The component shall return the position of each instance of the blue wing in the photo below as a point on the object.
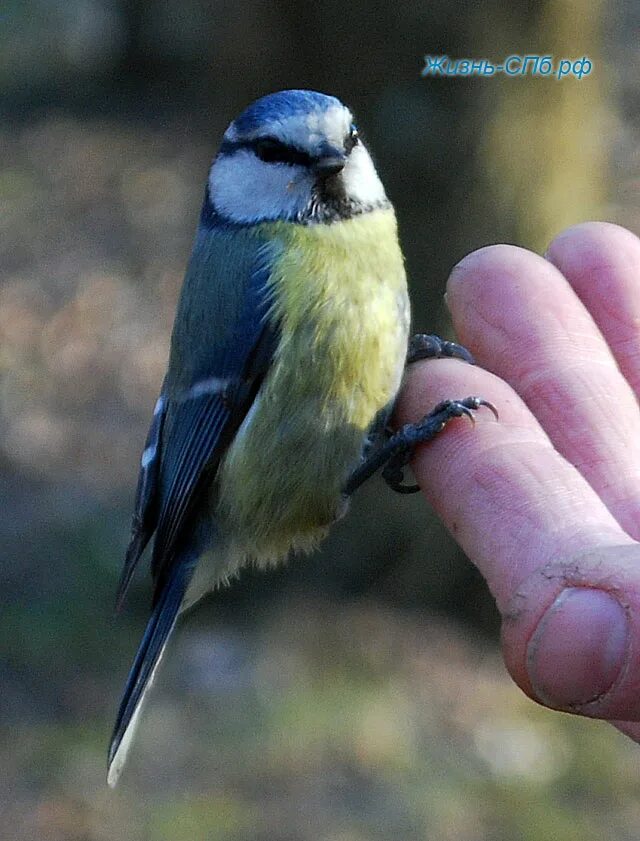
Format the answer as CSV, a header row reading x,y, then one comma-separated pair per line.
x,y
198,430
191,428
205,397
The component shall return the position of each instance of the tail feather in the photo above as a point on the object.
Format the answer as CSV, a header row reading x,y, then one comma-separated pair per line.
x,y
157,632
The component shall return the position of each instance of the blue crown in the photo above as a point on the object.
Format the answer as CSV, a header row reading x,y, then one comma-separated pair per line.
x,y
283,104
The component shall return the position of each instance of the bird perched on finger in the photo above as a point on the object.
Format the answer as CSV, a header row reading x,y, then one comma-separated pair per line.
x,y
287,353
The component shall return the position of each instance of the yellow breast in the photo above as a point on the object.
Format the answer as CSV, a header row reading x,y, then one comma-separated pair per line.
x,y
340,299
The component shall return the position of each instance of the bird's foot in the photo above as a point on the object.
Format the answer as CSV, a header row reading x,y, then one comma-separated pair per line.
x,y
394,455
428,346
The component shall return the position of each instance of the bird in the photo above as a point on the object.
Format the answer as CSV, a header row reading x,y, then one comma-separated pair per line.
x,y
288,350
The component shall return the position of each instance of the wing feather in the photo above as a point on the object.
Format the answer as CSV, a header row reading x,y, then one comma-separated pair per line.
x,y
144,516
200,425
197,427
191,429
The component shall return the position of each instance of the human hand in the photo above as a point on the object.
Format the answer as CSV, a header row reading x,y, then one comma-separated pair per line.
x,y
546,502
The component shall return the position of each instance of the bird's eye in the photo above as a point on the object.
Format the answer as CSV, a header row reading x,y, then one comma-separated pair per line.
x,y
351,140
270,150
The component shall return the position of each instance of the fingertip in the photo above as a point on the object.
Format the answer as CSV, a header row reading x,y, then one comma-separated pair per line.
x,y
589,245
601,263
570,635
487,289
487,262
578,649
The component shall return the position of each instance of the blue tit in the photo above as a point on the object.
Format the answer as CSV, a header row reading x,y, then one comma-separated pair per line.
x,y
287,353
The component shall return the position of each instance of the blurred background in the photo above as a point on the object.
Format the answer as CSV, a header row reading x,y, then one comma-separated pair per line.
x,y
358,694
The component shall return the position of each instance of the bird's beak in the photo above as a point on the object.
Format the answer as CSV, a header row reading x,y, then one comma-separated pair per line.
x,y
330,162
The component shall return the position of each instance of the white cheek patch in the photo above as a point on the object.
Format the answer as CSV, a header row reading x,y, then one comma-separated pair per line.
x,y
360,178
245,189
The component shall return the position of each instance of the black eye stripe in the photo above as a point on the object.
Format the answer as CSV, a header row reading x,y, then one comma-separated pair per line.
x,y
269,150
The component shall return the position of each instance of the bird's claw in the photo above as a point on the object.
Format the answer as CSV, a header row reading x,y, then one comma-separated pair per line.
x,y
430,346
410,435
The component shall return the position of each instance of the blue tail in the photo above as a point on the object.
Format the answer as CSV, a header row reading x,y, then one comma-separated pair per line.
x,y
157,632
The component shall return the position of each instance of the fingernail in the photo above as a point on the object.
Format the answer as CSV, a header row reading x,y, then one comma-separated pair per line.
x,y
578,649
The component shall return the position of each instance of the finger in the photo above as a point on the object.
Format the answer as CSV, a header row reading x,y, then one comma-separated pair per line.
x,y
602,264
520,316
530,522
500,485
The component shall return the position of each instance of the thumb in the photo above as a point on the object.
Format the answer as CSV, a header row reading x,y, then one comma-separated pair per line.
x,y
571,634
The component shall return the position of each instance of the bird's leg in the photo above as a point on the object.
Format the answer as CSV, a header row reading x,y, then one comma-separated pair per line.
x,y
395,453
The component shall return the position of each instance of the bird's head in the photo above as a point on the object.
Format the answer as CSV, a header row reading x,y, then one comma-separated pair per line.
x,y
294,155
